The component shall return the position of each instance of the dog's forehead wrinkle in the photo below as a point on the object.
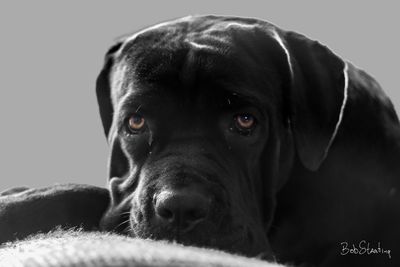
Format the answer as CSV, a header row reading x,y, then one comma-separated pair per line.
x,y
187,75
181,27
198,47
201,46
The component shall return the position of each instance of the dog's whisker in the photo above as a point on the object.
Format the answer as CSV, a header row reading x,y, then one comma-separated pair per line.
x,y
124,213
120,224
128,229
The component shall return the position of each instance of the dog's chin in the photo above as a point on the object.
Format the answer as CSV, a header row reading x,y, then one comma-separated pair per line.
x,y
239,240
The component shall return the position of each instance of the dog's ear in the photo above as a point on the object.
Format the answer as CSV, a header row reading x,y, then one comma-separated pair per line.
x,y
317,97
118,162
103,89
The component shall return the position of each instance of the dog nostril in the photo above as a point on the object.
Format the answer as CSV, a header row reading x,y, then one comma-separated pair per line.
x,y
165,213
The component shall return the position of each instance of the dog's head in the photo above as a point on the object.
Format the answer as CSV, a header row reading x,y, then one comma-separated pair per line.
x,y
204,116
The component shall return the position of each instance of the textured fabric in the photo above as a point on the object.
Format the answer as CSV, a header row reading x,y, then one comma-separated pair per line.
x,y
75,248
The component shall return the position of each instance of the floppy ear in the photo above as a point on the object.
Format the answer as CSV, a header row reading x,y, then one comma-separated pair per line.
x,y
317,97
103,89
118,162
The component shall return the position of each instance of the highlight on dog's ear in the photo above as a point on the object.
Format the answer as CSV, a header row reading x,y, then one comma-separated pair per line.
x,y
103,89
318,95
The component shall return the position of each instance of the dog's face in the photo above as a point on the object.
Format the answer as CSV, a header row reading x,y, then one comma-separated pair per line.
x,y
196,115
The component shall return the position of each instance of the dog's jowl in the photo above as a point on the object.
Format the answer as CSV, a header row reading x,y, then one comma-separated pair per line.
x,y
231,133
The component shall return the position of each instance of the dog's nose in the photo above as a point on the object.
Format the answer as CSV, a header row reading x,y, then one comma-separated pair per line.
x,y
182,208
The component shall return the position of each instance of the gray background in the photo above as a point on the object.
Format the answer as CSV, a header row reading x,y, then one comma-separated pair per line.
x,y
51,52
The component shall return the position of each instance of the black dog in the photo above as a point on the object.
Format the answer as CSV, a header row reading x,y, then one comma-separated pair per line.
x,y
233,134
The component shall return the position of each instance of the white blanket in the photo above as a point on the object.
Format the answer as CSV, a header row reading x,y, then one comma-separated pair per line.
x,y
75,248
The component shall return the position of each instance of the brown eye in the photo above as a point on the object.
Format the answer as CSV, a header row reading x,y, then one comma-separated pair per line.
x,y
245,121
136,122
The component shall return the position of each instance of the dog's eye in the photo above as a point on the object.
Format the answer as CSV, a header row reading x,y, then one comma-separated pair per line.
x,y
136,123
245,122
